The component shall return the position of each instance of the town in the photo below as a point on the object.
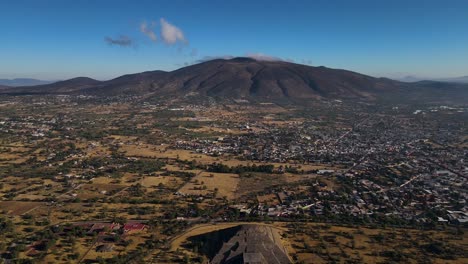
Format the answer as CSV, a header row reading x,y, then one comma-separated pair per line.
x,y
120,176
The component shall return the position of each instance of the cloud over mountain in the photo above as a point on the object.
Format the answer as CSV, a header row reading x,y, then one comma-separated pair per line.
x,y
263,57
256,56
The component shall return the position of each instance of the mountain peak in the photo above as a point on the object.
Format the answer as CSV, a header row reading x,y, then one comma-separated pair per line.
x,y
243,59
244,77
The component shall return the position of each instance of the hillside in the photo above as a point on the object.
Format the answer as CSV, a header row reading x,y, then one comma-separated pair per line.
x,y
249,78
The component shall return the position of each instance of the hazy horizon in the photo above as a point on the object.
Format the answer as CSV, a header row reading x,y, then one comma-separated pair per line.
x,y
395,76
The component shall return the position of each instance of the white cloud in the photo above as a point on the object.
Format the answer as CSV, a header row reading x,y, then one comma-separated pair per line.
x,y
255,56
209,58
171,34
263,57
147,29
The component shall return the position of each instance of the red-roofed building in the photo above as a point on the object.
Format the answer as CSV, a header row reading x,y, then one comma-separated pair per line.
x,y
134,227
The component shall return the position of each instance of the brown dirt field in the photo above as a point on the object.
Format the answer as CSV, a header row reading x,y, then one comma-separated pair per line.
x,y
129,179
12,158
291,178
154,181
17,207
102,180
270,199
226,183
102,187
31,197
171,167
259,182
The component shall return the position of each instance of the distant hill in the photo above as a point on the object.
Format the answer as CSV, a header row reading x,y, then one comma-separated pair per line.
x,y
22,82
462,79
252,79
409,78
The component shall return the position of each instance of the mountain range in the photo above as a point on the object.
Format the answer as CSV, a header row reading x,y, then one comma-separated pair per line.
x,y
462,79
409,78
248,78
22,82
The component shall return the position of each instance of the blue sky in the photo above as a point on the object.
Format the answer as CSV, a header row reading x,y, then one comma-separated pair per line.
x,y
104,39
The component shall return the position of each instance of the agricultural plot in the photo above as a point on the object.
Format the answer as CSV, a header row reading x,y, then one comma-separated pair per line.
x,y
17,208
220,184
